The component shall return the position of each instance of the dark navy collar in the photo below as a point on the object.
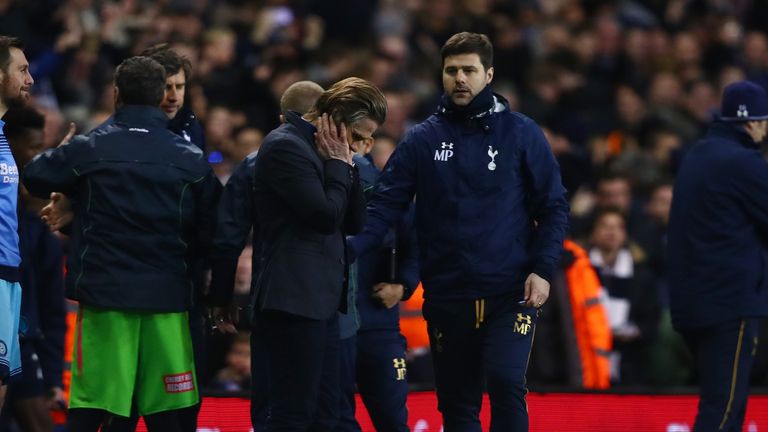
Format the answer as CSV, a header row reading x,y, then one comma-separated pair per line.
x,y
141,115
306,129
481,105
733,131
184,117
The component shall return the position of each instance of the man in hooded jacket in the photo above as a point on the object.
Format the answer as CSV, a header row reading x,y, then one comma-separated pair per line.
x,y
491,216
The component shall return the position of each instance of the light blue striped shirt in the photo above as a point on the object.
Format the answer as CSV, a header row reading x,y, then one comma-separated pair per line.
x,y
9,192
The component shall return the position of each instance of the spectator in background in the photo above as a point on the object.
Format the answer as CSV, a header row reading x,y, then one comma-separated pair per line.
x,y
716,254
631,298
145,189
247,141
15,84
42,282
236,376
383,147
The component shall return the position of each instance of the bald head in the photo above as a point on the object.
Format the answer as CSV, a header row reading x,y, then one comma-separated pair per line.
x,y
300,97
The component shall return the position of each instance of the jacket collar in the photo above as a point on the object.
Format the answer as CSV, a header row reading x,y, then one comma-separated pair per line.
x,y
483,105
141,115
306,129
732,131
182,120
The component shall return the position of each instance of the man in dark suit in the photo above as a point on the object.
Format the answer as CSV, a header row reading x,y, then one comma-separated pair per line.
x,y
236,217
308,196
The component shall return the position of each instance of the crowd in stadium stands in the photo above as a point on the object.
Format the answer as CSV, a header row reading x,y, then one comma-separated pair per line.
x,y
621,88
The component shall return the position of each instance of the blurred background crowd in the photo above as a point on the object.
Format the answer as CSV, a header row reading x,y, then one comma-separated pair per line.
x,y
621,88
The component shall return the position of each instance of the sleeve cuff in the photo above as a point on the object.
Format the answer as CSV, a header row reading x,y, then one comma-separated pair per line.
x,y
544,271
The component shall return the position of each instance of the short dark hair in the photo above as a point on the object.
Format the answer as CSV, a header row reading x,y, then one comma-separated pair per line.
x,y
603,212
469,43
6,43
172,61
140,81
351,100
19,120
300,97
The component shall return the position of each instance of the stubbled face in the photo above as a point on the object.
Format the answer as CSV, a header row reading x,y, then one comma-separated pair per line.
x,y
464,77
173,99
360,135
16,82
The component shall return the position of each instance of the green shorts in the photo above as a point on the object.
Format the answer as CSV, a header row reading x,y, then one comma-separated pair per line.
x,y
123,356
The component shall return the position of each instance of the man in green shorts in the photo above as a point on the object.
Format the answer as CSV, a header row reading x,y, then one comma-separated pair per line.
x,y
143,200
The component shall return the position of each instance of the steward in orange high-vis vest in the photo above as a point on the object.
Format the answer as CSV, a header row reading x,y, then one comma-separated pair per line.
x,y
590,321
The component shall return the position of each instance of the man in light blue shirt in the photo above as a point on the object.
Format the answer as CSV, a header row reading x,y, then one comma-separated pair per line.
x,y
15,83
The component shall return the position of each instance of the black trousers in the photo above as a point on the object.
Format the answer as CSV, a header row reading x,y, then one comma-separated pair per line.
x,y
259,381
473,341
303,364
724,355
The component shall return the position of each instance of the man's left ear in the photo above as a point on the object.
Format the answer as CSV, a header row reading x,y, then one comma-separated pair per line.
x,y
489,74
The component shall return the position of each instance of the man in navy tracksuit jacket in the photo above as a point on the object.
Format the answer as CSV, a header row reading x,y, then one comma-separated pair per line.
x,y
133,172
491,215
183,122
718,254
374,357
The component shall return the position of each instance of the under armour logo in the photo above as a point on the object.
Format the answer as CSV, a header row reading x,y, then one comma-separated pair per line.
x,y
400,369
523,324
445,152
742,111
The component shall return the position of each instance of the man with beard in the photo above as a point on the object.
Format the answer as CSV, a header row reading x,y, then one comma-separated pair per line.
x,y
491,215
15,82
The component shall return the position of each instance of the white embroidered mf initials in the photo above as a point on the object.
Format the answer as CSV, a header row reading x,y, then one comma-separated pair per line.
x,y
742,112
492,153
445,151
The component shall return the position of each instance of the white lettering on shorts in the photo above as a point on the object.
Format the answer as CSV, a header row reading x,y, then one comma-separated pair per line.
x,y
179,383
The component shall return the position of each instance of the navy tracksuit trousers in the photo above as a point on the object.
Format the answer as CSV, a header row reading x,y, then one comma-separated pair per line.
x,y
473,341
724,355
375,360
